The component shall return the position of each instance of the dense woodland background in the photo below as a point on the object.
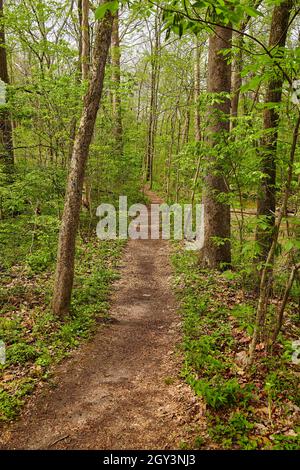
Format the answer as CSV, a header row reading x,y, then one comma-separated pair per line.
x,y
200,102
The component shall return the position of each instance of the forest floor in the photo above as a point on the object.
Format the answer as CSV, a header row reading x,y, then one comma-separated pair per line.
x,y
121,390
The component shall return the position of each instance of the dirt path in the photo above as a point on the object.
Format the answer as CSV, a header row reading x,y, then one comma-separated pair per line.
x,y
113,393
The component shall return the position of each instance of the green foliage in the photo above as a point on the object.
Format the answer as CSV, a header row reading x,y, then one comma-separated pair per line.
x,y
101,10
282,442
9,406
45,102
216,327
219,393
232,432
12,400
245,314
283,384
20,353
51,340
198,443
11,328
193,16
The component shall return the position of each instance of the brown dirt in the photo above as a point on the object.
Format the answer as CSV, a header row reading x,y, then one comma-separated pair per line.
x,y
115,391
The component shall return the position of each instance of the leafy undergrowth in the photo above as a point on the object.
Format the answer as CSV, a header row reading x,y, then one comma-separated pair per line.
x,y
245,409
35,339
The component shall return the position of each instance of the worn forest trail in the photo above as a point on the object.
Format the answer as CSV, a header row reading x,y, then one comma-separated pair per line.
x,y
112,393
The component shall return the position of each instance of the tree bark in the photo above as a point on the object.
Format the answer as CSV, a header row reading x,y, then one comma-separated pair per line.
x,y
6,133
85,39
216,252
197,76
79,10
171,149
85,73
78,78
70,219
266,203
197,90
237,77
116,79
152,125
186,126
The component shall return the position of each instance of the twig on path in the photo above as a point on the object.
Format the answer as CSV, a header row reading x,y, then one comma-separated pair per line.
x,y
59,440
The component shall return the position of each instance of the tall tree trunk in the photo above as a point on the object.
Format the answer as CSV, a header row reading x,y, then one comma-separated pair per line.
x,y
237,77
6,135
116,79
216,252
70,219
152,125
266,204
171,149
197,76
85,72
238,40
186,126
78,77
197,90
79,10
85,39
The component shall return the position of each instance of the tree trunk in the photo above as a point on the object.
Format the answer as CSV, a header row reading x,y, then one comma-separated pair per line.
x,y
116,79
70,219
152,125
78,78
238,40
197,76
266,203
85,39
197,90
216,252
186,127
6,135
79,10
237,77
85,73
171,149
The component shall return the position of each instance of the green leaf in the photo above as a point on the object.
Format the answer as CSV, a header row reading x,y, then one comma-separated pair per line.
x,y
252,11
105,7
291,245
297,168
199,4
252,84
